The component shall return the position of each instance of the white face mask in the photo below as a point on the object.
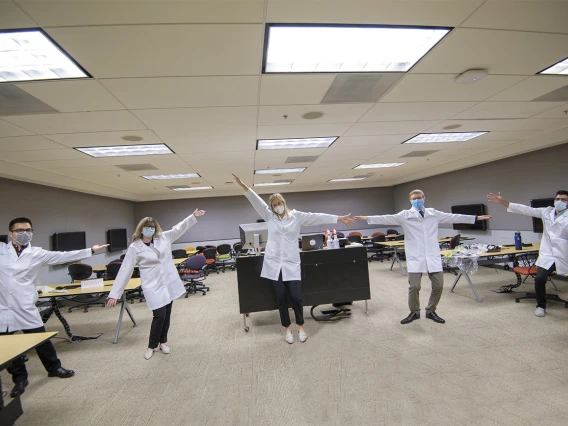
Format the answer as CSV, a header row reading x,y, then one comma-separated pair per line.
x,y
148,232
279,209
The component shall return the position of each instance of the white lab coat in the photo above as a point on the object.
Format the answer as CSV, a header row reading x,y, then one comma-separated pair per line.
x,y
159,276
421,235
17,283
282,252
554,243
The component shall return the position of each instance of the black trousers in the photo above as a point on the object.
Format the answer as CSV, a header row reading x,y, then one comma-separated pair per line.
x,y
160,326
45,351
293,289
540,284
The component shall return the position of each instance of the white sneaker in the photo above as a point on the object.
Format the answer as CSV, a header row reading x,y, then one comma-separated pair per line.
x,y
303,336
148,354
165,348
289,338
540,312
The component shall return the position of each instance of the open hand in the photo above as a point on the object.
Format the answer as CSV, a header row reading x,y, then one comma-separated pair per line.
x,y
98,247
111,302
240,182
484,217
346,219
198,213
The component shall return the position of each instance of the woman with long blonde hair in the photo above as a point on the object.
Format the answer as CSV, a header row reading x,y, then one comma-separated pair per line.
x,y
151,250
281,262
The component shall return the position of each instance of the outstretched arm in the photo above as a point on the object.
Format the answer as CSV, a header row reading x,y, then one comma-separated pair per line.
x,y
515,208
121,280
258,203
310,219
182,227
387,219
497,199
57,257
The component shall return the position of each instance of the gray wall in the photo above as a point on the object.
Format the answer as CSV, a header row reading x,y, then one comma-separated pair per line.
x,y
538,174
221,222
56,210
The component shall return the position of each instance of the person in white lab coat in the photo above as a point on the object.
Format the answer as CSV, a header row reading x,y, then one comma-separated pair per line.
x,y
420,226
553,255
281,262
20,264
151,250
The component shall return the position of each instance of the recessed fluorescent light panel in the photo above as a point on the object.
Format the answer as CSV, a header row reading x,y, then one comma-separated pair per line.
x,y
345,179
378,166
180,176
279,171
294,143
560,68
126,150
31,55
444,137
292,48
193,188
272,183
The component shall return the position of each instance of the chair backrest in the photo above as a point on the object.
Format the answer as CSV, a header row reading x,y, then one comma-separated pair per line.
x,y
354,238
210,253
392,231
112,270
200,249
80,271
189,248
379,239
399,237
210,246
455,241
122,256
355,233
195,263
340,235
224,249
179,254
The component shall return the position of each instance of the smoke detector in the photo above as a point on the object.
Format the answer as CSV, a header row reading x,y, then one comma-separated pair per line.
x,y
312,115
470,76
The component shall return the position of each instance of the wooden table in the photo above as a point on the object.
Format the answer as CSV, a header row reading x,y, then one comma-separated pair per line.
x,y
507,253
12,347
133,284
396,246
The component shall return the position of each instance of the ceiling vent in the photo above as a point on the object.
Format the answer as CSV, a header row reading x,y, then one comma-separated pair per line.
x,y
558,95
355,88
15,101
419,154
302,159
136,167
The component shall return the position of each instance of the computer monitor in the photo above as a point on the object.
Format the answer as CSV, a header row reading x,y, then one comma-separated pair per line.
x,y
538,203
68,241
4,239
248,232
117,239
474,210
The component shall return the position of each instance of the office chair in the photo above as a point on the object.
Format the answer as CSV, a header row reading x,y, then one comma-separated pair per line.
x,y
378,252
193,274
355,233
179,254
376,234
189,249
392,232
237,249
340,235
199,249
122,257
455,241
529,269
225,256
79,272
210,259
354,238
399,237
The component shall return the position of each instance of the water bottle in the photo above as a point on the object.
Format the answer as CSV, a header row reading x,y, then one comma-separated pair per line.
x,y
518,241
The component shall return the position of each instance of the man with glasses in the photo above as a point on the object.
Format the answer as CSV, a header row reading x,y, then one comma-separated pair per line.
x,y
553,255
20,264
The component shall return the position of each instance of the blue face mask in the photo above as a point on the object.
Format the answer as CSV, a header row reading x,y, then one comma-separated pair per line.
x,y
560,206
148,232
417,204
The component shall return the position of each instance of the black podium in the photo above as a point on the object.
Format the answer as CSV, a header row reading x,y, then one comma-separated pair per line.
x,y
328,276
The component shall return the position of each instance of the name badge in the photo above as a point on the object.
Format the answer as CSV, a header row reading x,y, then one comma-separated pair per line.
x,y
97,282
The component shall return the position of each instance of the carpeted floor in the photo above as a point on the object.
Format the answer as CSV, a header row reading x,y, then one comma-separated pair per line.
x,y
492,363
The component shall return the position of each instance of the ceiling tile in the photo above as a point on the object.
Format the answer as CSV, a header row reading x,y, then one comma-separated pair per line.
x,y
66,13
441,88
356,141
560,112
7,130
306,131
163,50
12,17
515,125
503,110
407,111
297,89
104,138
530,88
27,143
390,128
55,165
73,96
510,52
292,114
178,92
99,121
42,155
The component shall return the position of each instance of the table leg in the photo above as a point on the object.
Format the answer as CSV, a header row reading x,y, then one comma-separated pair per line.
x,y
397,259
366,308
245,322
72,337
122,309
468,281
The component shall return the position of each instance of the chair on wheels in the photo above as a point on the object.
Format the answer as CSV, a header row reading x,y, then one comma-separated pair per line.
x,y
378,252
529,269
354,238
340,235
79,272
179,254
392,232
455,241
399,237
225,256
193,274
211,259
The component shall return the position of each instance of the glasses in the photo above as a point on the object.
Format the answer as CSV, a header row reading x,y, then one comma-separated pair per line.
x,y
19,231
561,199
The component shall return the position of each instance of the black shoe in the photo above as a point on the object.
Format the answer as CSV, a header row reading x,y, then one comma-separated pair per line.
x,y
19,388
436,318
413,316
61,372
